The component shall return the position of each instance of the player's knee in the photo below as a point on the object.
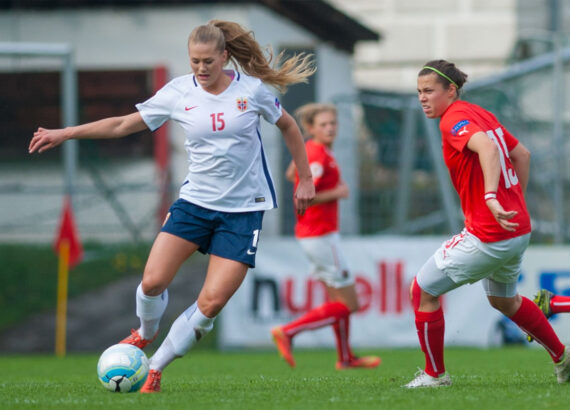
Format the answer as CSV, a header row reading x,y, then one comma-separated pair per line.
x,y
212,309
152,287
507,306
353,306
501,307
494,303
210,305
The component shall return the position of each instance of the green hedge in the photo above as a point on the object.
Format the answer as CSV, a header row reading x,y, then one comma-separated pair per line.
x,y
29,275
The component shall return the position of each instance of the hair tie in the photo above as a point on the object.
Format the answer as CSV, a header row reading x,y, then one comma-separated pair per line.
x,y
435,70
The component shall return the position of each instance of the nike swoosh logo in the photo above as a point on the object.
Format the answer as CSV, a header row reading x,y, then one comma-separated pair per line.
x,y
190,108
249,252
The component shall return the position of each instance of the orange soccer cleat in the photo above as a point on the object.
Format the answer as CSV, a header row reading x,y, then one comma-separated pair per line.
x,y
136,339
152,383
366,362
283,343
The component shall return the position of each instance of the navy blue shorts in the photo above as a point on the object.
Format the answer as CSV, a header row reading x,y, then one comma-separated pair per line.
x,y
226,234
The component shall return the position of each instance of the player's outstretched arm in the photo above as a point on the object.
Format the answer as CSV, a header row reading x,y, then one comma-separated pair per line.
x,y
113,127
305,192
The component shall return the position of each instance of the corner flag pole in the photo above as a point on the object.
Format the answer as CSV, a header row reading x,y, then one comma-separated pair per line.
x,y
69,251
62,283
68,246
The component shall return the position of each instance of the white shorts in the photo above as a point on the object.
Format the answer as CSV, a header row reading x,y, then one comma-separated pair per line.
x,y
465,259
327,260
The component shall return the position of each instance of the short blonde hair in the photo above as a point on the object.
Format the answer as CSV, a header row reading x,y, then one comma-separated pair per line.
x,y
306,114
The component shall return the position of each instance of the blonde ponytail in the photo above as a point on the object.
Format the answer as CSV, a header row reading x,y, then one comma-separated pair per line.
x,y
245,52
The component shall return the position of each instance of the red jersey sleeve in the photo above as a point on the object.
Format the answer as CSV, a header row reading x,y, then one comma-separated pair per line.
x,y
457,129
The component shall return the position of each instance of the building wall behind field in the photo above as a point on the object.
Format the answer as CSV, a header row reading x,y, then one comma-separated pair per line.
x,y
477,35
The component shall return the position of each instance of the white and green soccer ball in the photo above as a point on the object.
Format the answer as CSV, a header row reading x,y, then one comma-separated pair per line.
x,y
123,368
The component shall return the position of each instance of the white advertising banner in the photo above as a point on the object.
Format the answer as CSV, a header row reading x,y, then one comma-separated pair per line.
x,y
280,289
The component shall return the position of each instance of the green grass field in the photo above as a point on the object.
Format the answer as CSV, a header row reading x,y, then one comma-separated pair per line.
x,y
507,378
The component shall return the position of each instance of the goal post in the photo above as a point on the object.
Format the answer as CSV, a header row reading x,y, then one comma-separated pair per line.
x,y
68,86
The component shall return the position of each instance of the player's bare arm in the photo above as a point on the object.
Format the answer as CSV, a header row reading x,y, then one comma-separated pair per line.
x,y
340,191
113,127
520,158
294,140
491,167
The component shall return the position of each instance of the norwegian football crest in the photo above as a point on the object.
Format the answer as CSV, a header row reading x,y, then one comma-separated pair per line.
x,y
242,104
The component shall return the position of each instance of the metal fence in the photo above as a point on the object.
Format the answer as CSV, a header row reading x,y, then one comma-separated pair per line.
x,y
403,186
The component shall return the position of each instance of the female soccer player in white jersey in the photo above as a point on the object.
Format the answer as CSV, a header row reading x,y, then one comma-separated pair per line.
x,y
317,232
489,169
228,186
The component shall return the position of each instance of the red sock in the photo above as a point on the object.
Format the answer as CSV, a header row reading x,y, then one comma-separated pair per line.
x,y
326,314
431,330
530,319
560,304
341,331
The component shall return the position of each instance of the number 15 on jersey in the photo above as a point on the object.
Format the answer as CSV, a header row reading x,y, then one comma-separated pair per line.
x,y
218,123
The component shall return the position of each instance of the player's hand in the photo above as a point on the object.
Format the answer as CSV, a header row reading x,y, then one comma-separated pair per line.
x,y
304,195
501,216
45,139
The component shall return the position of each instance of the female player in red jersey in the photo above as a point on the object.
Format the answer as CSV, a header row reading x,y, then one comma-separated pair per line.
x,y
489,169
228,186
317,232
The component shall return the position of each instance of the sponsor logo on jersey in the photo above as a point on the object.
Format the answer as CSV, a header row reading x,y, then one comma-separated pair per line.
x,y
461,124
242,104
277,103
316,169
190,108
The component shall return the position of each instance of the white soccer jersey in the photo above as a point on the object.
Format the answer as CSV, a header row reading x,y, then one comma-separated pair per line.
x,y
228,170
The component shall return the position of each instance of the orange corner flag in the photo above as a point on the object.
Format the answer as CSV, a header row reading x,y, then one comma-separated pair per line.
x,y
67,232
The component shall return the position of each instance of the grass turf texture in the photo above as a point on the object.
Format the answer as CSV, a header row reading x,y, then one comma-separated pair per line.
x,y
505,378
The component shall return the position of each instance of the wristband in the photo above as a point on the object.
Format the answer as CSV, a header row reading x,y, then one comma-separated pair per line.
x,y
490,195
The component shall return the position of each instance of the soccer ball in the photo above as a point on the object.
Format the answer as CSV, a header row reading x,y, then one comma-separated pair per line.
x,y
123,368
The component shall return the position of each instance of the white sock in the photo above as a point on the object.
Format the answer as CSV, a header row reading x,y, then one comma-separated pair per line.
x,y
150,310
185,332
163,356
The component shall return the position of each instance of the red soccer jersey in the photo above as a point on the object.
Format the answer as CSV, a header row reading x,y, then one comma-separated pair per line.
x,y
459,122
322,218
